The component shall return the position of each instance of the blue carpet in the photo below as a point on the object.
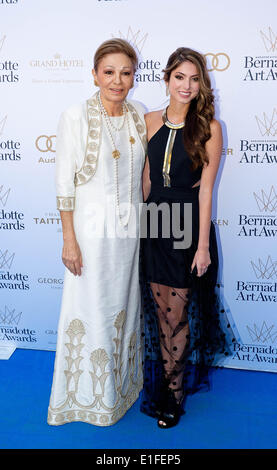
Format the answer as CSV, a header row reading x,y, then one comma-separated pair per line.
x,y
238,413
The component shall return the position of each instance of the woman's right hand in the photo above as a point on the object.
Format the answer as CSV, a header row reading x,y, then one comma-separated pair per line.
x,y
72,257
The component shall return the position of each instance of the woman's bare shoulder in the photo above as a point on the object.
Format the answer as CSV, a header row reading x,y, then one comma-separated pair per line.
x,y
215,126
153,122
153,116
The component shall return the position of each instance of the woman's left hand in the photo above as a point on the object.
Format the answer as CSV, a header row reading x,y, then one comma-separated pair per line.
x,y
201,260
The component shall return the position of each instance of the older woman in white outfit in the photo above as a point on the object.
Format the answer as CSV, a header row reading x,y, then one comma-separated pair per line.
x,y
99,161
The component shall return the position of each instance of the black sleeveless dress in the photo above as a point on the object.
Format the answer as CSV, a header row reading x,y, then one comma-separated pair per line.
x,y
184,327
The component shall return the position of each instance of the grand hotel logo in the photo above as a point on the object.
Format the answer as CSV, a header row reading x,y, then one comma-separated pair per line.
x,y
264,287
264,224
57,69
263,150
9,69
262,68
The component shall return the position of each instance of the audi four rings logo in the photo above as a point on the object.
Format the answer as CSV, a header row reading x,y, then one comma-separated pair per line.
x,y
45,143
219,62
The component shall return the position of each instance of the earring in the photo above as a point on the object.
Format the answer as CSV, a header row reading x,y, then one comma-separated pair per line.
x,y
96,82
166,90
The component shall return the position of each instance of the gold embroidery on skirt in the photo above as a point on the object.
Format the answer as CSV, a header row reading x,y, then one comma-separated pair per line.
x,y
99,374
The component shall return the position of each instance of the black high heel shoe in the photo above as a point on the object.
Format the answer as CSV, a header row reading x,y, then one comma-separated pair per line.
x,y
172,411
162,400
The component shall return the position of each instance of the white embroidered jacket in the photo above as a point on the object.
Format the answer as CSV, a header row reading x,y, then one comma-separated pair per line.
x,y
78,145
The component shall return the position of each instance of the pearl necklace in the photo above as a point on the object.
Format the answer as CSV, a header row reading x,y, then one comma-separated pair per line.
x,y
116,156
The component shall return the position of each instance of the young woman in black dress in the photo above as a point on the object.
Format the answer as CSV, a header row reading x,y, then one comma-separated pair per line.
x,y
183,330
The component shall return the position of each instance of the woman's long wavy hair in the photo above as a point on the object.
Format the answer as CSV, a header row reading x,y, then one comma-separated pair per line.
x,y
201,110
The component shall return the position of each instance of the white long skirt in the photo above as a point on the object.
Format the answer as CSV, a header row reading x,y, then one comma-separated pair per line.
x,y
98,364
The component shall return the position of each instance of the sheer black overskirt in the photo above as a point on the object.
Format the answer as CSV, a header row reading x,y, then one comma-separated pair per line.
x,y
200,335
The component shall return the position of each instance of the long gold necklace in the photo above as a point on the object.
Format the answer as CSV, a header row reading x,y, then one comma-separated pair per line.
x,y
169,147
116,156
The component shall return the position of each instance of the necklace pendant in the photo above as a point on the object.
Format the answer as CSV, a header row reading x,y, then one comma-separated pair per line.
x,y
132,139
116,154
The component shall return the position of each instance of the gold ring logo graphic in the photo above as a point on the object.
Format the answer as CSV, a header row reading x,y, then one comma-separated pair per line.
x,y
45,143
219,62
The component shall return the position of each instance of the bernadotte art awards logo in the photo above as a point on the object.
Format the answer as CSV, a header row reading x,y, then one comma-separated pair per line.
x,y
9,147
8,2
263,286
11,280
262,223
10,330
9,68
10,219
263,150
262,68
263,333
149,68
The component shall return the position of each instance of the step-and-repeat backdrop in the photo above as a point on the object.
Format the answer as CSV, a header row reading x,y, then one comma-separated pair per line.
x,y
46,53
